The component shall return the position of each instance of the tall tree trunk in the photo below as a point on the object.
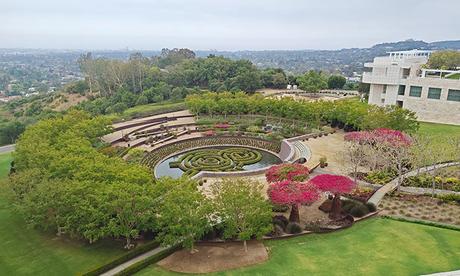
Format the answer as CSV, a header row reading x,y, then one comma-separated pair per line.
x,y
245,244
336,207
128,242
294,216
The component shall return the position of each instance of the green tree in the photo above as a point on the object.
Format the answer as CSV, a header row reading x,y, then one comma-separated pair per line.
x,y
10,131
336,82
183,212
449,59
244,212
312,81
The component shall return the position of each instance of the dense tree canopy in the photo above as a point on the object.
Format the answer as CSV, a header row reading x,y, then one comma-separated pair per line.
x,y
336,82
350,114
312,81
449,59
63,183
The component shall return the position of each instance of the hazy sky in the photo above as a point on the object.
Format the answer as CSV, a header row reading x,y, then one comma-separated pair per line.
x,y
223,24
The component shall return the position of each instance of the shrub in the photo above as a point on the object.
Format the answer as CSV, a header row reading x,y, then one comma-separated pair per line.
x,y
380,177
293,228
450,197
280,220
280,208
359,210
371,207
277,231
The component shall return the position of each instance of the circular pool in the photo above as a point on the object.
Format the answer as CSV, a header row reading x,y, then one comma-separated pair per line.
x,y
215,159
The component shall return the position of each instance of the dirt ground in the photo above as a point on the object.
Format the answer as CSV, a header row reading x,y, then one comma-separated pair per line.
x,y
216,257
421,207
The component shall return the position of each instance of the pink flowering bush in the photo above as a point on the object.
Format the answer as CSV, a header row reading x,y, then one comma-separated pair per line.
x,y
390,137
293,193
335,184
291,172
222,126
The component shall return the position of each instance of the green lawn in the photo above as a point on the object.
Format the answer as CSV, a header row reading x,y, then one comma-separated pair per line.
x,y
373,247
5,160
27,251
440,130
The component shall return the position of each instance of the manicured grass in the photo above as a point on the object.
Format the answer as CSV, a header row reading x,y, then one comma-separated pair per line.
x,y
26,251
373,247
5,160
439,130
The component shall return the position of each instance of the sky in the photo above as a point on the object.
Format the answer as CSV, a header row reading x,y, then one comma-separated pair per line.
x,y
223,24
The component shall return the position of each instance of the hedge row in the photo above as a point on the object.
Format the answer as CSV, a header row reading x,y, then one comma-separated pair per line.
x,y
146,262
124,258
424,222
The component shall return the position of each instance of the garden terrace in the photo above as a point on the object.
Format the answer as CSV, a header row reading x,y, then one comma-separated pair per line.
x,y
154,157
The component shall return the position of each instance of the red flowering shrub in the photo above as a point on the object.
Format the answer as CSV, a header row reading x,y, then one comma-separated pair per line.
x,y
291,172
222,126
209,133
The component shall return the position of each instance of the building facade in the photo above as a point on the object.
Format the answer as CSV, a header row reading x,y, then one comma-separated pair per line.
x,y
399,79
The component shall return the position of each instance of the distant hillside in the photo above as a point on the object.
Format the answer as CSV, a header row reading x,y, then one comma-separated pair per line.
x,y
345,61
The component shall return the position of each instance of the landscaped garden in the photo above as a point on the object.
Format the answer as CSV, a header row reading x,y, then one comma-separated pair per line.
x,y
372,247
226,159
68,183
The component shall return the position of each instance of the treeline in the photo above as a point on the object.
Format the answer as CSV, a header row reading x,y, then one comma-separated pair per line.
x,y
177,73
349,114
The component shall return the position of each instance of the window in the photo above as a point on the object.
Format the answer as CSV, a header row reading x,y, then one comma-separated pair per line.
x,y
384,89
400,103
453,95
434,93
415,91
401,90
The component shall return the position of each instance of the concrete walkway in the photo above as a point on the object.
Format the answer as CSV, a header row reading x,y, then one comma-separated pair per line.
x,y
135,260
392,185
449,273
7,148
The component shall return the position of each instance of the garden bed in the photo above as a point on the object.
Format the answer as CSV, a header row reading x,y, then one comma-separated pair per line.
x,y
420,207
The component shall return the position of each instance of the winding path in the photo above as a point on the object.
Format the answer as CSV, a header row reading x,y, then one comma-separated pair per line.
x,y
392,185
7,148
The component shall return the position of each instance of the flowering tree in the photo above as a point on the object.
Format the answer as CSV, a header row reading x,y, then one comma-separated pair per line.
x,y
335,184
287,192
292,172
388,148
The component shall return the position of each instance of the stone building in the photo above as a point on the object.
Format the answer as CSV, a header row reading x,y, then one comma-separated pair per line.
x,y
399,79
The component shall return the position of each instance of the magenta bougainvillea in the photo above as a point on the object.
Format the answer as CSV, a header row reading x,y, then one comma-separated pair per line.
x,y
336,184
222,126
291,192
292,172
391,137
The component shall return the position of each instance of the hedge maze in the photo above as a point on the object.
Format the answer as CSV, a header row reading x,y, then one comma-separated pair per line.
x,y
152,159
216,160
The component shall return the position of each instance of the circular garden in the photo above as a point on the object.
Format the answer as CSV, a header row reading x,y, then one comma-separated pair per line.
x,y
215,159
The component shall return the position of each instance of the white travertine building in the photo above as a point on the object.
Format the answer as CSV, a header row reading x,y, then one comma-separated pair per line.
x,y
399,79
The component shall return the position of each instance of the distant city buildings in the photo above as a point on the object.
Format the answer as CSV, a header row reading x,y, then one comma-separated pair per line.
x,y
400,79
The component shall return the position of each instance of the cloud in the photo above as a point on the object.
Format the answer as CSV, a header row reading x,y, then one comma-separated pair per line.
x,y
223,24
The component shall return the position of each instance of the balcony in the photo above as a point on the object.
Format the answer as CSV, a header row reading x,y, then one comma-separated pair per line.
x,y
369,77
